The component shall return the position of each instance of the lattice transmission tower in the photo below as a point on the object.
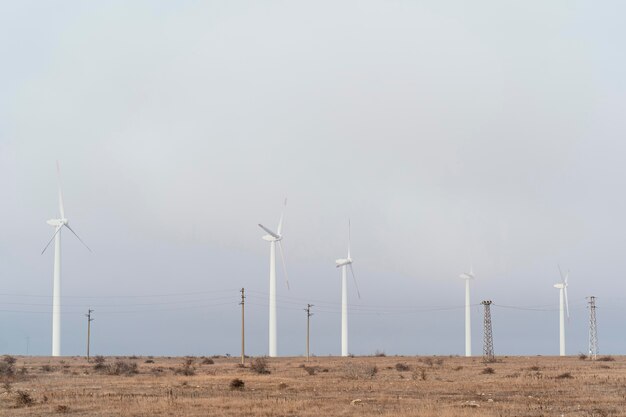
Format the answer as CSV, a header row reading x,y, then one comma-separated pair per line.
x,y
488,355
593,330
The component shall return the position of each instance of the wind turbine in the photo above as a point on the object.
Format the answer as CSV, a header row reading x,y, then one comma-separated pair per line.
x,y
562,287
274,238
467,276
344,264
58,224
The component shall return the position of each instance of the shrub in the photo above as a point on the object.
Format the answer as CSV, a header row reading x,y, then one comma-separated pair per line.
x,y
380,353
401,367
149,361
62,409
355,371
207,361
565,375
9,359
282,386
310,369
23,399
47,368
259,365
99,363
607,358
582,356
186,369
237,384
122,368
488,371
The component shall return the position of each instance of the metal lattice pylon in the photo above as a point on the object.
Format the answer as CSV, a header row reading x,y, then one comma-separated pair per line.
x,y
488,355
593,330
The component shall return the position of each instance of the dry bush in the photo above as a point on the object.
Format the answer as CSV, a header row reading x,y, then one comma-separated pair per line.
x,y
62,409
565,375
207,361
259,365
99,363
582,356
310,369
237,384
186,369
534,368
23,399
457,368
282,386
607,358
149,361
47,368
7,366
380,353
488,371
402,367
359,371
122,368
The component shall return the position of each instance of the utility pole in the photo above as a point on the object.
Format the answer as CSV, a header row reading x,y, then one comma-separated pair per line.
x,y
308,327
488,355
593,330
89,320
243,335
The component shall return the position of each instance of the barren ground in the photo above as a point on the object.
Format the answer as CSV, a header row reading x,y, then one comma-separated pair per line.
x,y
327,386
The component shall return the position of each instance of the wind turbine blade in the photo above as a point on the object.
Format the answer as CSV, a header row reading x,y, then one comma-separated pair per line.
x,y
349,238
51,239
355,284
61,210
566,278
81,241
282,257
282,215
560,272
269,232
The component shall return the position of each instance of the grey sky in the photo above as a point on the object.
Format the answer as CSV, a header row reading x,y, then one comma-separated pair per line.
x,y
448,132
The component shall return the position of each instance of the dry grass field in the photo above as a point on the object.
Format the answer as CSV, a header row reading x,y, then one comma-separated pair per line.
x,y
325,386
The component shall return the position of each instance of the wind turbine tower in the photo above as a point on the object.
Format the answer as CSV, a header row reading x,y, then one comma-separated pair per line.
x,y
562,287
344,264
467,276
58,224
274,238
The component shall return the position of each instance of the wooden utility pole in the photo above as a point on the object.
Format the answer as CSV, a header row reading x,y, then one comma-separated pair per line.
x,y
308,327
89,320
243,334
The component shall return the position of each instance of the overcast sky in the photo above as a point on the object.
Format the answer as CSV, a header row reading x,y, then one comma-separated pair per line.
x,y
450,133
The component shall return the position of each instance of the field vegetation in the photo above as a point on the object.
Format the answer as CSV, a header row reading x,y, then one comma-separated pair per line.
x,y
378,385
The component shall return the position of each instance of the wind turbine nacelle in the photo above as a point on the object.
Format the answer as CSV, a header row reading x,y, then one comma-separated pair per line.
x,y
560,286
342,262
270,238
466,276
56,222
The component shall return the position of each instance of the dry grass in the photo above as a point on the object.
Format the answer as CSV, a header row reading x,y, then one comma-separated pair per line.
x,y
360,386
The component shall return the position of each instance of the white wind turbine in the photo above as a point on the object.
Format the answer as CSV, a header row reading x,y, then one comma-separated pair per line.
x,y
58,224
344,264
467,276
274,238
562,287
